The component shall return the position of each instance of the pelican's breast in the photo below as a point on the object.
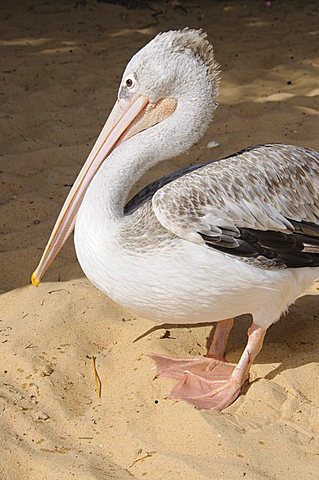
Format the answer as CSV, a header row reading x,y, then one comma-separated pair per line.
x,y
134,260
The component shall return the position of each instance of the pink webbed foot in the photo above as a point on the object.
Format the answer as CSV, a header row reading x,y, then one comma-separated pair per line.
x,y
215,393
210,383
203,382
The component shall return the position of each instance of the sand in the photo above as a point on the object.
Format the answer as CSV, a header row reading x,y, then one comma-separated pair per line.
x,y
60,67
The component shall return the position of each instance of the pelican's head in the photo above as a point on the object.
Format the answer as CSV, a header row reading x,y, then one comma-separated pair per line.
x,y
175,69
171,66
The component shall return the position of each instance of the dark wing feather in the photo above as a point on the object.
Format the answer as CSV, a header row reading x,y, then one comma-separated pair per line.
x,y
293,250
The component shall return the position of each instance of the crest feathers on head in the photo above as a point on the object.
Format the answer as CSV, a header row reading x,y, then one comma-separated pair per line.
x,y
196,42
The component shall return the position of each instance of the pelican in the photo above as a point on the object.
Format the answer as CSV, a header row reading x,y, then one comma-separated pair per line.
x,y
205,244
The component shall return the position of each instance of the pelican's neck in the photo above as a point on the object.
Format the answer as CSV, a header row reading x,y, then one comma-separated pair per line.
x,y
112,184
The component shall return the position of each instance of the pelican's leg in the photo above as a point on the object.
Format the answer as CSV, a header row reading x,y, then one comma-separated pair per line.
x,y
209,383
172,367
218,345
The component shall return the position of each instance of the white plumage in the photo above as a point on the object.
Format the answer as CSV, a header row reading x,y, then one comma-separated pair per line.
x,y
205,244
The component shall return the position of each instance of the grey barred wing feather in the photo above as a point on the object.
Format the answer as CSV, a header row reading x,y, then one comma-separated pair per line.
x,y
261,205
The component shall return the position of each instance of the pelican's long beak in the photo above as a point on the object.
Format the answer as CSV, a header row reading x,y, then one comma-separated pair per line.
x,y
121,118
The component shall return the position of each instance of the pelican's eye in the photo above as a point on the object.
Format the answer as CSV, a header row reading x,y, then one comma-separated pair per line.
x,y
129,83
129,86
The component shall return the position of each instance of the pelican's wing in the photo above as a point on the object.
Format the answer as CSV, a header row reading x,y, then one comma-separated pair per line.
x,y
261,204
147,192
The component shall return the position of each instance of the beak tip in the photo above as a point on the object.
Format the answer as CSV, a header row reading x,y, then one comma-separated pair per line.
x,y
34,280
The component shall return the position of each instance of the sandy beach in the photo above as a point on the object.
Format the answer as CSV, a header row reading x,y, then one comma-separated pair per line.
x,y
61,63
